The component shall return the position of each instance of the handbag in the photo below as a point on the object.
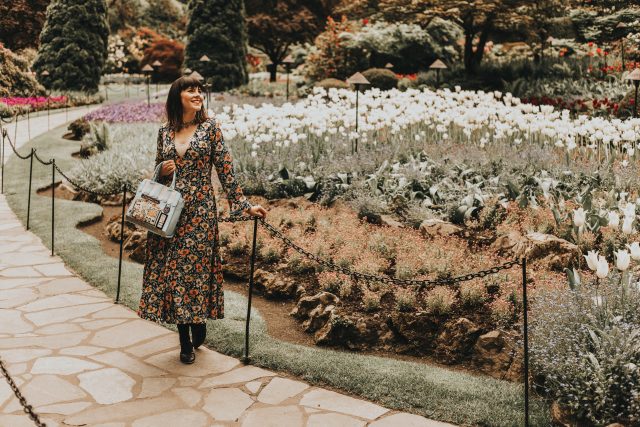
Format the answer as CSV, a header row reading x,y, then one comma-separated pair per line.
x,y
156,207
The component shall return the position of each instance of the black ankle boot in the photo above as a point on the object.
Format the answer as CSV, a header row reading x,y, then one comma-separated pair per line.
x,y
186,348
198,333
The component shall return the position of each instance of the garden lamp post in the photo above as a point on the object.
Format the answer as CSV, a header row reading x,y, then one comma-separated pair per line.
x,y
437,65
45,74
621,26
635,77
357,80
147,70
288,62
204,60
156,67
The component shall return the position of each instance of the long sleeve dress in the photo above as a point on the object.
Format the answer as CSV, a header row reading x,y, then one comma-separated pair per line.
x,y
182,280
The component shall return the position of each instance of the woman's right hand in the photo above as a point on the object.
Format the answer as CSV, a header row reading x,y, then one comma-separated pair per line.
x,y
167,168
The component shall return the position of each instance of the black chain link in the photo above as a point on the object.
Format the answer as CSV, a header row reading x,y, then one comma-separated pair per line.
x,y
28,409
421,284
35,154
13,147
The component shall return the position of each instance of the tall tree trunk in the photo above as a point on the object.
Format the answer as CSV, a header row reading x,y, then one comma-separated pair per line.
x,y
273,69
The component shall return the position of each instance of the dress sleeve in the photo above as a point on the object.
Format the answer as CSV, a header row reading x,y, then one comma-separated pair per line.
x,y
224,167
160,157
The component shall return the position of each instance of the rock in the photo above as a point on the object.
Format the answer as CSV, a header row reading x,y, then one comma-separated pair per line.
x,y
418,330
113,200
273,287
390,222
137,245
561,416
438,228
307,304
338,330
456,342
318,317
113,228
495,354
66,191
315,310
557,252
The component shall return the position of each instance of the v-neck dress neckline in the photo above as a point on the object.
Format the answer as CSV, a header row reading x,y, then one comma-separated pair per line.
x,y
189,144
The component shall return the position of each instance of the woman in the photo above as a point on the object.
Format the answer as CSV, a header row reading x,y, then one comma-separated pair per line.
x,y
182,280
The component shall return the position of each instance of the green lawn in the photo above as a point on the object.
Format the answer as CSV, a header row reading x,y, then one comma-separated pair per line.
x,y
434,392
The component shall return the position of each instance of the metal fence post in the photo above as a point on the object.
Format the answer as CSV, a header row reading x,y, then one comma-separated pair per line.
x,y
526,341
124,200
4,132
30,179
245,360
53,201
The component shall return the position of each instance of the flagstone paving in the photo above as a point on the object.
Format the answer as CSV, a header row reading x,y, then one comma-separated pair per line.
x,y
81,360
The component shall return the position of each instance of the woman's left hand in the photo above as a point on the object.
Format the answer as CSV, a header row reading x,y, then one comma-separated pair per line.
x,y
257,210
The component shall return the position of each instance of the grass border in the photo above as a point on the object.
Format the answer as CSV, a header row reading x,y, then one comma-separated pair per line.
x,y
433,392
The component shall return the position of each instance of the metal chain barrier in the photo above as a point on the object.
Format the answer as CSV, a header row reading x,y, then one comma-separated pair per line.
x,y
13,147
28,409
35,154
80,187
421,284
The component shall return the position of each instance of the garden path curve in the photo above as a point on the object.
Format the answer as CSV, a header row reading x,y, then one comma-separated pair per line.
x,y
79,360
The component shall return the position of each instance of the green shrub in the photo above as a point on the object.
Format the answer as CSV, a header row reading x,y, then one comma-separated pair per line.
x,y
405,300
371,301
440,299
585,347
381,78
14,80
331,82
79,128
73,45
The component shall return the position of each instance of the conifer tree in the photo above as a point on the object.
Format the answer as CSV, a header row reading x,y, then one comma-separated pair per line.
x,y
73,45
217,29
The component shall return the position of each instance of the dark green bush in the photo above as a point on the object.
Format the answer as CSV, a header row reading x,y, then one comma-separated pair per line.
x,y
381,78
331,82
79,128
73,45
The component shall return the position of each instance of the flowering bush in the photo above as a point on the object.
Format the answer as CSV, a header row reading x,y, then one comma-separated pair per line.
x,y
129,112
586,348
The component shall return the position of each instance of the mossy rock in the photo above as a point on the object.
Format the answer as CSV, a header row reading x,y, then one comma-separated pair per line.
x,y
381,78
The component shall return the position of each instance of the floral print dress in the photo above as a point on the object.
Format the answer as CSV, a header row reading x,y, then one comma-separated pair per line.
x,y
182,281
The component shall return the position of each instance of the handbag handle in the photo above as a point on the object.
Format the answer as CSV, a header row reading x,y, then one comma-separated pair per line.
x,y
156,172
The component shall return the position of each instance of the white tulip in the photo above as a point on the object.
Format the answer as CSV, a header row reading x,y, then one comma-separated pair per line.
x,y
592,260
579,217
627,225
623,260
614,219
630,209
635,250
603,267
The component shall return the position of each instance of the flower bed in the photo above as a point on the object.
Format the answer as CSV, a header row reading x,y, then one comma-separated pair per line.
x,y
128,112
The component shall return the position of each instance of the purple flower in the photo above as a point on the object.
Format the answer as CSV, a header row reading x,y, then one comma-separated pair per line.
x,y
127,112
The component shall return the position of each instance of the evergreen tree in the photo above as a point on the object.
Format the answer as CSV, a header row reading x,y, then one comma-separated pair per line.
x,y
73,45
217,28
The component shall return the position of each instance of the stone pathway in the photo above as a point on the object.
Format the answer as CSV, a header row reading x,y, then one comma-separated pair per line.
x,y
81,360
36,126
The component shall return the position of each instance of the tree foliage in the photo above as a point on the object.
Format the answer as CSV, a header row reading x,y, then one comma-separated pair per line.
x,y
21,22
170,53
275,30
217,28
14,80
73,45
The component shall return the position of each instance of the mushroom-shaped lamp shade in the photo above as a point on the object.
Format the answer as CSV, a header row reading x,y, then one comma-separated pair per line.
x,y
288,60
197,75
147,69
45,73
634,75
621,25
438,65
389,65
358,79
204,58
187,71
156,64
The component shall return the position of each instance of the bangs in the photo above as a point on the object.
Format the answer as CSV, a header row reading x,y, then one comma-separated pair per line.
x,y
187,82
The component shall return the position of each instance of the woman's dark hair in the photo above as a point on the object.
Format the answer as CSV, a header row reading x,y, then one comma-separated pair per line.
x,y
173,106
